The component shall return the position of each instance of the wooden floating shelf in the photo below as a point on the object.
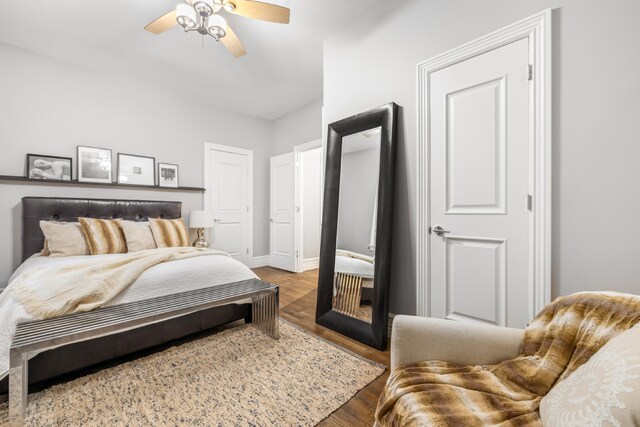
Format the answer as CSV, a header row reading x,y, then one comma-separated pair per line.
x,y
24,180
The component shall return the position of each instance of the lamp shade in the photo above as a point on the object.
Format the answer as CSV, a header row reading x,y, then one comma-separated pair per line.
x,y
201,219
217,26
186,16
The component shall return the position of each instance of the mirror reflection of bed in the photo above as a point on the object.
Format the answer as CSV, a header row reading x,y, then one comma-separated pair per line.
x,y
357,206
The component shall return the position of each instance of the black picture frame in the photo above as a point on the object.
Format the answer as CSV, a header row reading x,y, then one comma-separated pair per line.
x,y
82,177
29,166
119,179
375,333
160,178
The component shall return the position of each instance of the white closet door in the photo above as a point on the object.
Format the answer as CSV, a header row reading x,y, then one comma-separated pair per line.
x,y
282,212
229,201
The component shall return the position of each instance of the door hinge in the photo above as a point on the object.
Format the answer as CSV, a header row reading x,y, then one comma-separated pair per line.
x,y
297,254
247,208
530,202
247,251
530,72
297,209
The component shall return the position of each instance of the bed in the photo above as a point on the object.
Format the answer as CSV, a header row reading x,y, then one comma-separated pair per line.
x,y
353,282
162,279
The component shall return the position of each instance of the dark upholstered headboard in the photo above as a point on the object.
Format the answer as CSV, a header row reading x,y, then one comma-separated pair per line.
x,y
35,209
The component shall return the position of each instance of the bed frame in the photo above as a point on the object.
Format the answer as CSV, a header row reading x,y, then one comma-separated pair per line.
x,y
65,360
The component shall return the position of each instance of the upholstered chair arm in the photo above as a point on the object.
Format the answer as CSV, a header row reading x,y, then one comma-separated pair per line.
x,y
418,339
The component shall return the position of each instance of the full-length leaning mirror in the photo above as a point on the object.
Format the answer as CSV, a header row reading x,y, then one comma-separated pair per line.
x,y
357,218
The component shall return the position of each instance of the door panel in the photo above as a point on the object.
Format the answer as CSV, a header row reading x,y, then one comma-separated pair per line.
x,y
475,282
229,202
226,238
282,233
476,143
282,244
479,163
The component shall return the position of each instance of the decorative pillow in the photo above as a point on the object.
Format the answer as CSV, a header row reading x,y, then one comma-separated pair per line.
x,y
63,239
45,249
104,236
605,391
169,232
138,235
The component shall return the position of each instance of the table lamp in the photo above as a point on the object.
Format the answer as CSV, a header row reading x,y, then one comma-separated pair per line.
x,y
200,220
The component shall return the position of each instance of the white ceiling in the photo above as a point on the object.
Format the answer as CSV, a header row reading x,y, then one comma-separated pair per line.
x,y
282,70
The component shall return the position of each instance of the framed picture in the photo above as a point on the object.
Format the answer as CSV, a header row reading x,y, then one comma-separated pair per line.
x,y
49,167
138,170
167,175
94,164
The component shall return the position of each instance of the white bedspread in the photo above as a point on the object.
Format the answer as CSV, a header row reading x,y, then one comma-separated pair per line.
x,y
163,279
354,266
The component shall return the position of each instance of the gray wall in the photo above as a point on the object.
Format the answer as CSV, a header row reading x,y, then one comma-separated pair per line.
x,y
49,106
358,186
298,127
596,126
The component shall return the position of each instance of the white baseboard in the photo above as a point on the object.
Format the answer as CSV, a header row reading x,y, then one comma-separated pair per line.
x,y
310,263
260,261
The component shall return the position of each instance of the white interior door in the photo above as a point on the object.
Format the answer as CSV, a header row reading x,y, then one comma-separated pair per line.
x,y
282,212
308,190
228,193
479,163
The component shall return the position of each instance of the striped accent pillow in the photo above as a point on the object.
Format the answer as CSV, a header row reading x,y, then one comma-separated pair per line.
x,y
45,250
104,236
169,232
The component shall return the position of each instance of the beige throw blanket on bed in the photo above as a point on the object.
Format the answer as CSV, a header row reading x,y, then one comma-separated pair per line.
x,y
90,283
559,340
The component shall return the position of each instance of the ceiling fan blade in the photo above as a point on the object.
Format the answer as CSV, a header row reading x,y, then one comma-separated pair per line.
x,y
232,43
259,10
163,23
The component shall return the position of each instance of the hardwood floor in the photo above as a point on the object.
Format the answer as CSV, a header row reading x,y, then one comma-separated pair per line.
x,y
298,306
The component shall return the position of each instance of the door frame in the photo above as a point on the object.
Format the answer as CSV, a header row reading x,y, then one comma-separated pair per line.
x,y
298,219
208,146
537,29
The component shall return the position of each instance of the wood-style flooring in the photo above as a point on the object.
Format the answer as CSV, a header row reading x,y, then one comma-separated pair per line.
x,y
298,306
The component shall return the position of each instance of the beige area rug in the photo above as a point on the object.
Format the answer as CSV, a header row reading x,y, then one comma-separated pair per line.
x,y
238,377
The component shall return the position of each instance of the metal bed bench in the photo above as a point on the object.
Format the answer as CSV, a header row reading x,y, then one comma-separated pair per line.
x,y
39,335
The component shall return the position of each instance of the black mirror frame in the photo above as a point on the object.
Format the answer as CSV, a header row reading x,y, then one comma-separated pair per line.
x,y
375,333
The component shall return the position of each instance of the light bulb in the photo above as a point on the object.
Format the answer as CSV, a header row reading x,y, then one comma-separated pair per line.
x,y
186,16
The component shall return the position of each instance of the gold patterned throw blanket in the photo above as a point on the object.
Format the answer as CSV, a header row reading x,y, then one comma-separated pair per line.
x,y
560,339
90,283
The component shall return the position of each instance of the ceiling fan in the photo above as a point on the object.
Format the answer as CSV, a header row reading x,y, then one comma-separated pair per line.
x,y
203,17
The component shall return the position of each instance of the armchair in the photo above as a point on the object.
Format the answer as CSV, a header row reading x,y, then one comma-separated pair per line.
x,y
416,339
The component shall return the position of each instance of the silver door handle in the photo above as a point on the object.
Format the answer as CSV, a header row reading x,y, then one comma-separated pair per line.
x,y
439,231
216,220
271,219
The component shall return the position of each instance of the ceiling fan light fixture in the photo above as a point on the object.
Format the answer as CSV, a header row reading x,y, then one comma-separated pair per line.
x,y
229,7
204,7
186,16
217,26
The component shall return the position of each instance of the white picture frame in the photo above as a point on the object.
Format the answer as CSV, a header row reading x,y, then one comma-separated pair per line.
x,y
168,175
94,164
136,170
